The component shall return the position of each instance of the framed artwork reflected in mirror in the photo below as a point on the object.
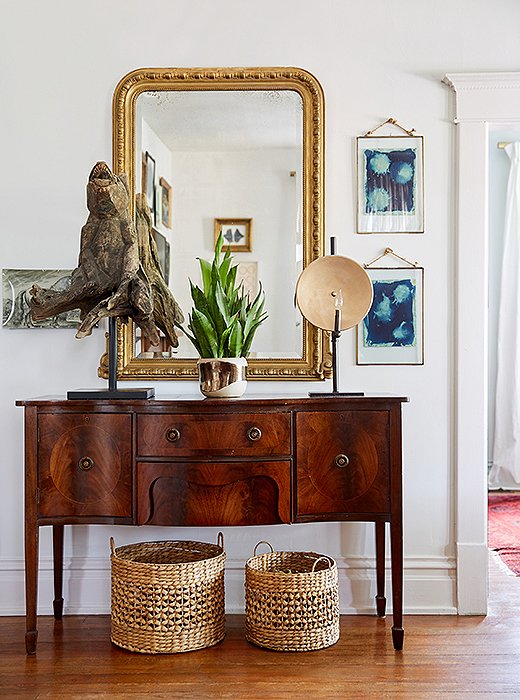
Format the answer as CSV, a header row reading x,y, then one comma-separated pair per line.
x,y
165,203
236,234
148,180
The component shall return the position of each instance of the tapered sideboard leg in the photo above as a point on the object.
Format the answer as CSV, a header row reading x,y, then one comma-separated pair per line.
x,y
31,587
396,543
57,549
380,569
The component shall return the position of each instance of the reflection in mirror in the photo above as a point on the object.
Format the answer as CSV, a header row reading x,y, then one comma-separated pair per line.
x,y
235,157
237,151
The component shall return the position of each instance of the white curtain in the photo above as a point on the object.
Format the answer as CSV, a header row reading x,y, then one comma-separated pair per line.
x,y
505,471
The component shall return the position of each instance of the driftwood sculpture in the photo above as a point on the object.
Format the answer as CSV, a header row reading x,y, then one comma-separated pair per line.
x,y
166,311
109,279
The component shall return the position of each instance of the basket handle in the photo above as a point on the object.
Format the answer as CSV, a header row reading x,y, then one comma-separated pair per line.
x,y
220,540
319,559
112,547
263,542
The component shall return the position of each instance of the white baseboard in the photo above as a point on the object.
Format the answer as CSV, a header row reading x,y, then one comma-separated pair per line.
x,y
429,586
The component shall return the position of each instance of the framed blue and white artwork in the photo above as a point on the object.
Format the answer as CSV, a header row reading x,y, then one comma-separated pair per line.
x,y
390,184
392,331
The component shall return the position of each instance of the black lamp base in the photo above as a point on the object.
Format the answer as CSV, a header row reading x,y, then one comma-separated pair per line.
x,y
100,394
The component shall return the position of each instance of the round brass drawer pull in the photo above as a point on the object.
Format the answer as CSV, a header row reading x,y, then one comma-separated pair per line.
x,y
86,463
172,434
341,460
254,433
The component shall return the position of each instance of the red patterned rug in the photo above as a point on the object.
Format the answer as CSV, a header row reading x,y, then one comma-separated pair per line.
x,y
504,528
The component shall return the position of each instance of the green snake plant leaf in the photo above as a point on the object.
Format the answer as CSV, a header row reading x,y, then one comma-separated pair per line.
x,y
206,335
229,285
249,338
218,247
205,269
223,320
235,340
223,347
223,270
223,305
193,339
199,298
258,301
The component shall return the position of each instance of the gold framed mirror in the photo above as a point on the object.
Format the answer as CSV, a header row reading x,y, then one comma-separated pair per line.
x,y
239,150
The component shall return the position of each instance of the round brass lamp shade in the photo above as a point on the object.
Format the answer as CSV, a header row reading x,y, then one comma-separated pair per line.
x,y
334,282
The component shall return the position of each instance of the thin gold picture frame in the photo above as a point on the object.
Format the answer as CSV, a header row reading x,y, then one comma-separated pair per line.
x,y
233,238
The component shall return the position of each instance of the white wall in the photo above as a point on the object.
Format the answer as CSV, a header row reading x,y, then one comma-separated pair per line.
x,y
60,64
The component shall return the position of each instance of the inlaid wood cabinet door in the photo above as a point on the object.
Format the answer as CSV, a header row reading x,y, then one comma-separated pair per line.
x,y
85,464
343,462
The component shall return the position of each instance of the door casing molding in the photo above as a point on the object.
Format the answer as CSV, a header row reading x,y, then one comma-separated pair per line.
x,y
481,99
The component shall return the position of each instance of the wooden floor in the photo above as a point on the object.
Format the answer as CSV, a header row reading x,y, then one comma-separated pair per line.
x,y
444,657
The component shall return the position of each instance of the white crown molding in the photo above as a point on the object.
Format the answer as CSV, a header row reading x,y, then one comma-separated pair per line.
x,y
474,101
483,81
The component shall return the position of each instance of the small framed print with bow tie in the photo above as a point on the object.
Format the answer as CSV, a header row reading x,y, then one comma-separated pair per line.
x,y
236,234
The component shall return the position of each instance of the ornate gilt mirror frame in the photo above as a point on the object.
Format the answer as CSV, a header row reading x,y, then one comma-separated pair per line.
x,y
315,360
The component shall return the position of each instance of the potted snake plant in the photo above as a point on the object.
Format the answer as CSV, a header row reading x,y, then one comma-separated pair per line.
x,y
222,324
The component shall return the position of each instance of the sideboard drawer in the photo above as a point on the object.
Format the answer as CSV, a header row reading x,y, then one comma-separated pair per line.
x,y
215,493
343,462
85,466
212,435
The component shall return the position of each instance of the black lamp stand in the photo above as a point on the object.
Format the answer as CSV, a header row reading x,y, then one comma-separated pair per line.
x,y
335,336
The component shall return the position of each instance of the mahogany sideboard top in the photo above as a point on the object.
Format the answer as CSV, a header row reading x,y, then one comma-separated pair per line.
x,y
184,460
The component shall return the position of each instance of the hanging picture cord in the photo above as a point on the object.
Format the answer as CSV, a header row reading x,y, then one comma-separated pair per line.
x,y
389,251
391,120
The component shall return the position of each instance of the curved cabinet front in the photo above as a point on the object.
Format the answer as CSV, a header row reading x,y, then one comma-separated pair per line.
x,y
215,493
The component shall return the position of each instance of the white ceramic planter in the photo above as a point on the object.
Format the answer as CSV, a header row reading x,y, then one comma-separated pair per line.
x,y
222,377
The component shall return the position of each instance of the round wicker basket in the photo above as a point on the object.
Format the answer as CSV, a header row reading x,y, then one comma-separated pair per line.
x,y
292,601
167,597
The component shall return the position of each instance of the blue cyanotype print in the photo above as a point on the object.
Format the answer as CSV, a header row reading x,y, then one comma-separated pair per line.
x,y
390,181
391,321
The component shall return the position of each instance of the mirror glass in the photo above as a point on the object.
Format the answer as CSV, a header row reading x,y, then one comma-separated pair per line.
x,y
237,151
223,157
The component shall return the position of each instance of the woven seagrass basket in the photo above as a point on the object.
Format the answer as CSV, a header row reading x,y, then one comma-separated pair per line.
x,y
292,601
167,597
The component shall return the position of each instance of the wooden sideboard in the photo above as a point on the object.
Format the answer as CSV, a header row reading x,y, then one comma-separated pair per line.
x,y
182,461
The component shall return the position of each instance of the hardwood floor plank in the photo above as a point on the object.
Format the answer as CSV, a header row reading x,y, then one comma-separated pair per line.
x,y
444,657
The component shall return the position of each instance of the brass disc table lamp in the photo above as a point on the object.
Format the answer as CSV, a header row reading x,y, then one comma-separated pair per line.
x,y
334,293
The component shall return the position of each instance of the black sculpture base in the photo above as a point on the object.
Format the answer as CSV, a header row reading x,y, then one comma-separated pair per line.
x,y
112,392
123,394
